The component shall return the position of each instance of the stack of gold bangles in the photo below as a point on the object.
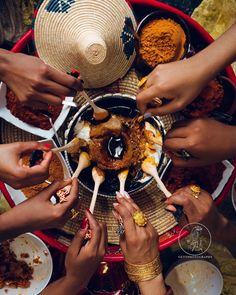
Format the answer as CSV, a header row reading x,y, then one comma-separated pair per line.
x,y
143,272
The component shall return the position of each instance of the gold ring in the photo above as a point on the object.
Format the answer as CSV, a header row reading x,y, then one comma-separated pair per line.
x,y
88,235
74,213
157,101
195,191
142,82
140,218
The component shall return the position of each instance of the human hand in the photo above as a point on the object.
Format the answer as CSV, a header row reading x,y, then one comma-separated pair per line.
x,y
198,210
179,82
83,260
206,140
35,83
139,244
12,170
38,212
48,215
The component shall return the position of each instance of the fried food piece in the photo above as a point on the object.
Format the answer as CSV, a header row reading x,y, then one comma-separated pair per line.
x,y
113,125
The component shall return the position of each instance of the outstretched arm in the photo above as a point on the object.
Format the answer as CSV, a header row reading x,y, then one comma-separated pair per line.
x,y
34,82
182,81
203,210
82,259
38,212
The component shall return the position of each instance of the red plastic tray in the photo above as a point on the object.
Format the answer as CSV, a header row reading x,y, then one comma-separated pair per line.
x,y
172,236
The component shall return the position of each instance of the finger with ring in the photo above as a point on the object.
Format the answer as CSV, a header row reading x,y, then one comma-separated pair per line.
x,y
195,191
140,218
142,82
121,229
185,155
74,213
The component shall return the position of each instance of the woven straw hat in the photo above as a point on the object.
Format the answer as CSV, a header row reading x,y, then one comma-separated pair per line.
x,y
92,36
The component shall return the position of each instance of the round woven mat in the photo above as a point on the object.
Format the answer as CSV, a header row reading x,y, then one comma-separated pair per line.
x,y
95,37
149,199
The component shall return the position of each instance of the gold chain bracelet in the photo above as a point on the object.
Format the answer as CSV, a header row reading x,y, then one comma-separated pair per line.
x,y
143,272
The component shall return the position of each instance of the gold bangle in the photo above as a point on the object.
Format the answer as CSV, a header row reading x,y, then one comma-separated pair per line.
x,y
144,272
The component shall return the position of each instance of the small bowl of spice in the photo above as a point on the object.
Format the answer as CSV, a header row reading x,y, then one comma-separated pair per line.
x,y
163,38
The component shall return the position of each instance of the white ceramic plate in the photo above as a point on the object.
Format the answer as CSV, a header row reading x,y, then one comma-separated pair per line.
x,y
6,115
29,243
229,168
195,277
17,195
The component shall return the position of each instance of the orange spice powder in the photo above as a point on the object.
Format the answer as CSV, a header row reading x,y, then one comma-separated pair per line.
x,y
162,41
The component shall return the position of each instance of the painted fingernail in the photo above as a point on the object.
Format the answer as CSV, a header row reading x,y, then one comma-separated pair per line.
x,y
115,214
171,208
147,115
87,209
119,195
84,223
75,73
126,195
47,146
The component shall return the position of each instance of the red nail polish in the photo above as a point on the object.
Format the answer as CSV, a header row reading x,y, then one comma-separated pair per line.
x,y
75,73
87,209
84,223
47,146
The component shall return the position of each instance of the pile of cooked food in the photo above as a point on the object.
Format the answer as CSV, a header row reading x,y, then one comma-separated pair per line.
x,y
14,273
207,177
28,114
207,101
119,143
55,173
